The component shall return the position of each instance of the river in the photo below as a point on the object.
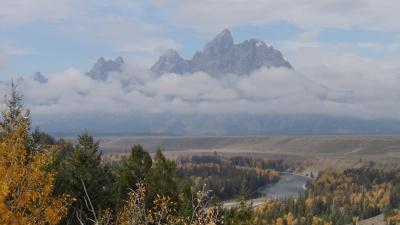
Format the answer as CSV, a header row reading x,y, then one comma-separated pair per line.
x,y
289,185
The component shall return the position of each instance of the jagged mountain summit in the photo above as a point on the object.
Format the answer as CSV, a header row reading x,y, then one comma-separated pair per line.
x,y
219,57
222,56
171,62
102,68
39,77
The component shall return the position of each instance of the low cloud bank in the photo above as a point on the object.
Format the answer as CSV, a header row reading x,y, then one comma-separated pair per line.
x,y
344,86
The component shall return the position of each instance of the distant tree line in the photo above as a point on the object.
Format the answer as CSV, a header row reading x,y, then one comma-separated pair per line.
x,y
226,175
243,161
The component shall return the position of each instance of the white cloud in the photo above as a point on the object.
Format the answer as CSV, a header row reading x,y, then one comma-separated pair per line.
x,y
136,26
16,12
122,33
209,15
120,24
195,87
325,81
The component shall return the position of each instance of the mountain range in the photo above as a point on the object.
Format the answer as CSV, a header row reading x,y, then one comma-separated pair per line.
x,y
221,56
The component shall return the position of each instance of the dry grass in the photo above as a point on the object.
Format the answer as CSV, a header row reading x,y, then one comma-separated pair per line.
x,y
313,152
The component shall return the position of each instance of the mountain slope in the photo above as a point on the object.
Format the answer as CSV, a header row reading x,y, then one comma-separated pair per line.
x,y
222,56
102,68
171,62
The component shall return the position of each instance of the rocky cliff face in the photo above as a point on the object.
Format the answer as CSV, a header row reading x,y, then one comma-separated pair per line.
x,y
222,56
171,62
102,68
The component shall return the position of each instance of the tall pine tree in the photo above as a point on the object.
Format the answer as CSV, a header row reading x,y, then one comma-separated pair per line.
x,y
133,169
83,165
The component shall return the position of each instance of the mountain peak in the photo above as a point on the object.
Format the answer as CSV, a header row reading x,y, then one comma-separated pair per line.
x,y
223,42
39,77
102,68
119,60
170,53
225,35
170,62
222,56
101,60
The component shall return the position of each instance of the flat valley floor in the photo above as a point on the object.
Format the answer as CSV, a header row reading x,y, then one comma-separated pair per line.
x,y
314,153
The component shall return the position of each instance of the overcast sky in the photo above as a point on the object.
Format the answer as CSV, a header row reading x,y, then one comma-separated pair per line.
x,y
345,54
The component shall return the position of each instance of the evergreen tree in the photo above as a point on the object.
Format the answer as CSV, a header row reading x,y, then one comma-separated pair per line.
x,y
162,179
42,138
185,199
243,193
132,170
83,166
15,113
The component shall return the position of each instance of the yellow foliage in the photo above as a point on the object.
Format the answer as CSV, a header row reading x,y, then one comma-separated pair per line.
x,y
279,221
357,197
394,219
25,186
290,219
309,203
315,221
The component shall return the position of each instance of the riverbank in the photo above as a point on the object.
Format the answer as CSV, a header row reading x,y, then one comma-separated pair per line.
x,y
289,185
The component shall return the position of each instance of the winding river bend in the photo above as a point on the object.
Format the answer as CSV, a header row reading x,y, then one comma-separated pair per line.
x,y
289,185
